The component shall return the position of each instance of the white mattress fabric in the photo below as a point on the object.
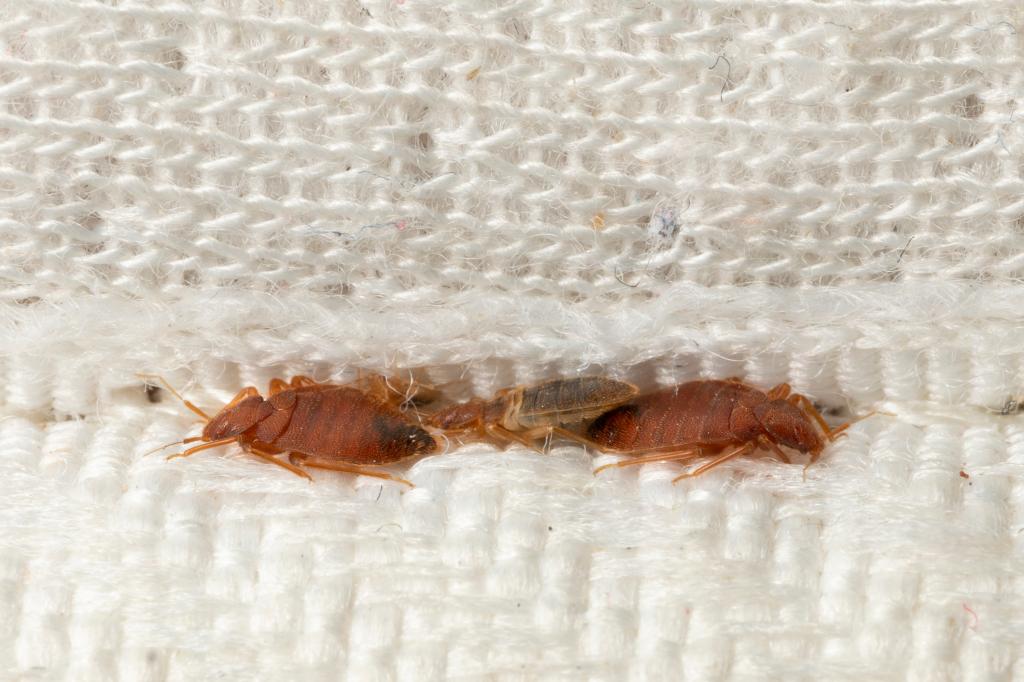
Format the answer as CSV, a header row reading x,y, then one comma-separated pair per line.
x,y
491,194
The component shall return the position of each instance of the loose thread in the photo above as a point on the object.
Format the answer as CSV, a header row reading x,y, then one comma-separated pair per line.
x,y
400,225
618,276
728,75
904,250
974,624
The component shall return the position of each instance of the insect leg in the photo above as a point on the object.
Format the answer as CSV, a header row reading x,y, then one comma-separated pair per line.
x,y
297,381
680,453
735,452
396,392
545,432
780,391
808,407
268,457
377,385
583,440
842,427
177,395
548,431
503,434
416,391
831,433
204,446
246,392
768,445
345,468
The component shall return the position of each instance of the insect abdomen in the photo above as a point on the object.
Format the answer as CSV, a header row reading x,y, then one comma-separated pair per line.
x,y
691,413
566,400
345,423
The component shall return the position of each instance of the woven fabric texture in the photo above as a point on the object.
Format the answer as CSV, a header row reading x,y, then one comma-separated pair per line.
x,y
490,194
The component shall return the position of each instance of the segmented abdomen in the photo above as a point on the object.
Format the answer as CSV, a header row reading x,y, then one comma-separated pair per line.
x,y
345,423
690,413
568,400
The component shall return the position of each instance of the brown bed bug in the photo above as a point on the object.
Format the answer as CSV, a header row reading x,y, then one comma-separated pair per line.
x,y
324,426
727,419
524,414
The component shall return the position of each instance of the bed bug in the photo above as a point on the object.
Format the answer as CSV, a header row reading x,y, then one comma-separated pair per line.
x,y
323,426
524,414
726,418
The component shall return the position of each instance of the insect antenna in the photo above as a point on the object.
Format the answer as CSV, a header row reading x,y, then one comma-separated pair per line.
x,y
177,442
177,395
204,446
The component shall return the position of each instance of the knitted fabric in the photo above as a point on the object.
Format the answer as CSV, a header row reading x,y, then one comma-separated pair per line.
x,y
485,195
